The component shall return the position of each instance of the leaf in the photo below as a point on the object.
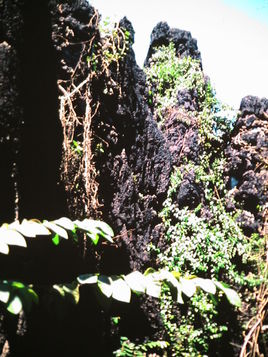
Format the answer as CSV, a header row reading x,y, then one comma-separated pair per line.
x,y
65,223
32,229
94,237
188,286
105,230
170,278
153,287
11,237
121,290
4,249
206,284
15,306
149,271
136,281
33,295
17,284
69,291
56,239
4,296
56,229
105,285
95,228
231,295
87,279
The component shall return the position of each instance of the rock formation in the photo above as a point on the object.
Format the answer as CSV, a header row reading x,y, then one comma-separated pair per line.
x,y
49,56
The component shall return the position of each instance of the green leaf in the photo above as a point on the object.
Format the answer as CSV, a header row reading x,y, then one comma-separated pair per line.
x,y
65,223
206,284
68,291
87,279
17,285
15,305
231,295
149,271
105,285
115,319
56,239
33,295
94,237
136,281
121,290
56,229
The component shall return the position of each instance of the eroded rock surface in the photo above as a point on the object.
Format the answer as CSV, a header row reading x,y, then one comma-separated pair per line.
x,y
247,157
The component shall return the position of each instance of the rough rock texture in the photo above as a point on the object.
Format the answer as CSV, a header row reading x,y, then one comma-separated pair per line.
x,y
185,45
135,168
10,108
30,132
247,157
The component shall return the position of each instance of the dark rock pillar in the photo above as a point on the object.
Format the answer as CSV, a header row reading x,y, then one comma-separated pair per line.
x,y
10,109
30,131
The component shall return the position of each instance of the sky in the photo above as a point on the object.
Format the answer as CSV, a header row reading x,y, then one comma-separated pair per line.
x,y
232,36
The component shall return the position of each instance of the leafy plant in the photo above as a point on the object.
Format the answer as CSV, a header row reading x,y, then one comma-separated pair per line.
x,y
151,283
17,296
129,348
167,74
17,233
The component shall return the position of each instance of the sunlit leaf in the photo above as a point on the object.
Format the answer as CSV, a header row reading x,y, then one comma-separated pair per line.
x,y
176,274
4,249
94,237
153,287
188,286
136,281
32,228
87,279
95,228
149,271
105,230
105,285
121,290
231,295
15,305
11,237
170,278
33,295
4,296
206,284
68,291
65,223
56,229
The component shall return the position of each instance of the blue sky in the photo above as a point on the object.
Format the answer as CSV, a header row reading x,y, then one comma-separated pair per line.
x,y
232,36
